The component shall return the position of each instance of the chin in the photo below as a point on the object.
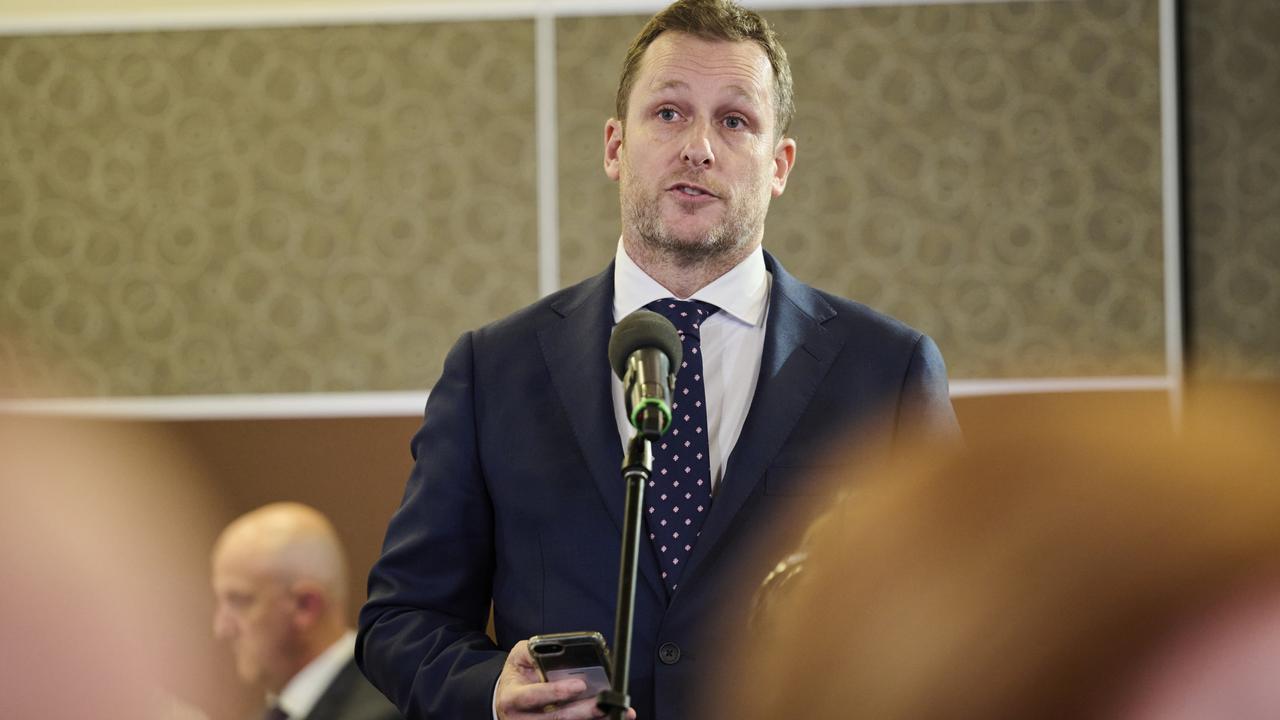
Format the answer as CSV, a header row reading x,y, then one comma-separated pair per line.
x,y
691,232
688,246
693,250
689,238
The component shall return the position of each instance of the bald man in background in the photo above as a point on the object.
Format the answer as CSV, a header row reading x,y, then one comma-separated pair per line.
x,y
280,579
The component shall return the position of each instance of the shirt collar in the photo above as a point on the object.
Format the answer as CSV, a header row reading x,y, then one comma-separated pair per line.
x,y
303,691
743,292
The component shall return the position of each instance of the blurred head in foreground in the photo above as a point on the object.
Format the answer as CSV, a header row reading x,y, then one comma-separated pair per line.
x,y
1090,567
280,579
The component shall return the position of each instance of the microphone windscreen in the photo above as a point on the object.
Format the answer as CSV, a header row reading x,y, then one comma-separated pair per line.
x,y
642,329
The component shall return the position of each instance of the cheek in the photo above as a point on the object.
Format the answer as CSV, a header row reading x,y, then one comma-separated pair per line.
x,y
259,629
646,164
755,179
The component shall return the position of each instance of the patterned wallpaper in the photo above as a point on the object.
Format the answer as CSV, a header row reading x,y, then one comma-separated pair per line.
x,y
1234,92
263,210
327,208
989,173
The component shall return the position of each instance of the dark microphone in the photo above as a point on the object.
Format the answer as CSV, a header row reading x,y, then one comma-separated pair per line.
x,y
645,351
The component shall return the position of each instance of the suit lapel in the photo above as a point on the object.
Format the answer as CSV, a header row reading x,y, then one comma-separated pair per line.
x,y
797,354
575,348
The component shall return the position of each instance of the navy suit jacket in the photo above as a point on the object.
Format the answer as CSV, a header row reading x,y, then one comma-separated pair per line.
x,y
516,495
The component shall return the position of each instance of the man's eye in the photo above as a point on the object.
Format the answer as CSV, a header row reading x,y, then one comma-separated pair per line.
x,y
667,114
733,122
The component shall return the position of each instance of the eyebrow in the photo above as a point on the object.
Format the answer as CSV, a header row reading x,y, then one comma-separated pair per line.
x,y
737,90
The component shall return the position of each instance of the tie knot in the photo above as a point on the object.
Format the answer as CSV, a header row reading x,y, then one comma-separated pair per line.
x,y
686,315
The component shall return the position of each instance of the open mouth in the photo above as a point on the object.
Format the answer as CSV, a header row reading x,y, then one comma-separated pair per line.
x,y
690,190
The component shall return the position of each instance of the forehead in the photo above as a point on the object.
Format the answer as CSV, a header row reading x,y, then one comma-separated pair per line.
x,y
235,565
675,59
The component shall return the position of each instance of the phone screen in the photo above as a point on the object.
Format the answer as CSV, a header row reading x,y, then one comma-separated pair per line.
x,y
595,677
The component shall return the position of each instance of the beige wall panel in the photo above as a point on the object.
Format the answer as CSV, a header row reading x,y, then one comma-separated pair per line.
x,y
23,9
1233,88
989,173
589,52
316,209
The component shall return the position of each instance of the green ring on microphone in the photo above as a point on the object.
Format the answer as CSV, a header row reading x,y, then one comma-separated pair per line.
x,y
662,408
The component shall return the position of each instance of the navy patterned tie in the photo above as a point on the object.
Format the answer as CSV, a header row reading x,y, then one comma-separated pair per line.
x,y
679,494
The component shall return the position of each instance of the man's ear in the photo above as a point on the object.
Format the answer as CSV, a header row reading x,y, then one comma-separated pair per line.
x,y
784,158
613,148
309,603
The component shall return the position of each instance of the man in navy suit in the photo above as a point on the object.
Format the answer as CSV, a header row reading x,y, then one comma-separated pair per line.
x,y
516,497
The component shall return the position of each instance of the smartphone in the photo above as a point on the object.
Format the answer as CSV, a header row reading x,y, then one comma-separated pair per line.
x,y
560,656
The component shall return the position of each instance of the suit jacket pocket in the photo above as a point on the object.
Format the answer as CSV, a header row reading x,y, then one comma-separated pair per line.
x,y
799,474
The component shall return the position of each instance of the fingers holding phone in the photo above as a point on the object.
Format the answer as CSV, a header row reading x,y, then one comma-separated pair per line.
x,y
576,655
560,656
522,693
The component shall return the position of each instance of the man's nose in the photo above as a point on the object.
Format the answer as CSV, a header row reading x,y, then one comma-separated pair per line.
x,y
697,147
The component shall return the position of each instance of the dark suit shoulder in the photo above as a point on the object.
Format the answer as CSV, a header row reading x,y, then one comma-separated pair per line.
x,y
857,315
836,313
351,697
875,358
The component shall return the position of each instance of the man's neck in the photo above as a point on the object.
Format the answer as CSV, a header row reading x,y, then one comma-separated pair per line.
x,y
683,279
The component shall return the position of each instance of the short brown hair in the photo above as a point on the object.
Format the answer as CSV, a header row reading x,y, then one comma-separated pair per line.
x,y
713,20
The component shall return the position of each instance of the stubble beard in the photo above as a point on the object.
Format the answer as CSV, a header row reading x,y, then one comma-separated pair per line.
x,y
726,241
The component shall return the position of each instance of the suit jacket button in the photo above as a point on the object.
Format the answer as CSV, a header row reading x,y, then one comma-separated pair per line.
x,y
669,653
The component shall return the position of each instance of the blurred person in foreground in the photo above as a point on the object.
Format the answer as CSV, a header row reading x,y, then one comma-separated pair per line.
x,y
280,581
104,527
1097,567
517,498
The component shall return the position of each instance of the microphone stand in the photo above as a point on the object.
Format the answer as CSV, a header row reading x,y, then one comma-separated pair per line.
x,y
637,464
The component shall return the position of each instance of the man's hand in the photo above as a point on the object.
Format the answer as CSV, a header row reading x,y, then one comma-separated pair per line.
x,y
521,694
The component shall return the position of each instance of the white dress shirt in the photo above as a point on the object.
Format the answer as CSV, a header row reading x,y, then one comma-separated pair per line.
x,y
303,691
732,342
